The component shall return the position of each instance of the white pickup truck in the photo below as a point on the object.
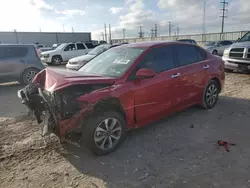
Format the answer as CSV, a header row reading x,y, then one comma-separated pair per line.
x,y
64,52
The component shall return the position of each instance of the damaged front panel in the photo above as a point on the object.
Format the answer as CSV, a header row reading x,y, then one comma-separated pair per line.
x,y
59,108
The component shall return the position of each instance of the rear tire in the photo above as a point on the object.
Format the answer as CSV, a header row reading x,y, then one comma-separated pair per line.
x,y
28,76
210,95
56,60
104,132
215,52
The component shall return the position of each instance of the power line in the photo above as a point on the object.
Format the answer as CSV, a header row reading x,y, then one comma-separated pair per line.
x,y
224,10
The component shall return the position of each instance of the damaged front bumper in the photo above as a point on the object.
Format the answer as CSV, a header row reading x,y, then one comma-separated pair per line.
x,y
42,109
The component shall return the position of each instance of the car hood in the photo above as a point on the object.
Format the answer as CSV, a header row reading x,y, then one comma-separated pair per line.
x,y
56,79
84,58
207,47
240,45
48,52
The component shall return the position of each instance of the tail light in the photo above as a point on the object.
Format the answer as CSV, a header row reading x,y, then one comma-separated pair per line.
x,y
37,53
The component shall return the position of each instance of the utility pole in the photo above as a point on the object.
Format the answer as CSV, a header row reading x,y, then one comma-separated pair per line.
x,y
170,27
105,32
63,28
123,32
204,19
152,33
178,30
16,35
155,30
110,41
224,10
72,29
141,33
102,36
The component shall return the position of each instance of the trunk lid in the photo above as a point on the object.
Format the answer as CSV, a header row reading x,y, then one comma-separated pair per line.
x,y
56,79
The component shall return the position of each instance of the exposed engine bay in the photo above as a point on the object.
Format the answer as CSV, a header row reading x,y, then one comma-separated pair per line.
x,y
50,107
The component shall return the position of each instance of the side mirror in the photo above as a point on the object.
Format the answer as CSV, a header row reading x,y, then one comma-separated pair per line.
x,y
145,73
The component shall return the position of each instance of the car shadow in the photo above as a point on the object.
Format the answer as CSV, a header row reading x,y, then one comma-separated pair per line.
x,y
179,151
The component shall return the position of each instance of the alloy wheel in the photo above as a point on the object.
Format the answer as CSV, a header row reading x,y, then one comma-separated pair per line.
x,y
108,133
29,76
57,61
211,95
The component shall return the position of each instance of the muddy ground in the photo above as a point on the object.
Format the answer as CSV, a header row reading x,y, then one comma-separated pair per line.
x,y
180,151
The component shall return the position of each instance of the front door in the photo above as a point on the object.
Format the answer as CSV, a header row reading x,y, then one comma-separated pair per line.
x,y
69,52
156,97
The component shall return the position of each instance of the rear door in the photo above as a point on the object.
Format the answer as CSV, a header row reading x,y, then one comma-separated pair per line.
x,y
12,61
155,97
69,52
194,70
81,49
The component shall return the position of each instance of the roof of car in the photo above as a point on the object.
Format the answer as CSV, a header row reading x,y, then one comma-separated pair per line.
x,y
152,44
148,44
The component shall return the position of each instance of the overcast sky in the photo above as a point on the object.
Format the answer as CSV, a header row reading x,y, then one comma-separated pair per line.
x,y
90,15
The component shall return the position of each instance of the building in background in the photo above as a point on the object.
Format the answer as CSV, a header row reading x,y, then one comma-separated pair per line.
x,y
46,38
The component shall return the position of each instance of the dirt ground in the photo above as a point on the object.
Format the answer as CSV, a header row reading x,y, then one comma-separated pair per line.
x,y
177,152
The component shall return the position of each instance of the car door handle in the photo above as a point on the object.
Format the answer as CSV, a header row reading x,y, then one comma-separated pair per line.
x,y
175,75
205,66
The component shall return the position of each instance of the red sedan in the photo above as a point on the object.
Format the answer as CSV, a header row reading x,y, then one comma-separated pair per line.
x,y
125,87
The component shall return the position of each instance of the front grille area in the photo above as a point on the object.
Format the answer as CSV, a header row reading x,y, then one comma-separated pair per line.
x,y
236,52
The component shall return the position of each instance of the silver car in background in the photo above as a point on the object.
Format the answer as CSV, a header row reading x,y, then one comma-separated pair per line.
x,y
217,48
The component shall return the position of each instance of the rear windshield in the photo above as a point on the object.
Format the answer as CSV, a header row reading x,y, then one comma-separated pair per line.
x,y
13,51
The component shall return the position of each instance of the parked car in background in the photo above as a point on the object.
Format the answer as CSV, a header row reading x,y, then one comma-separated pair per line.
x,y
217,48
187,40
126,87
237,56
64,52
19,62
44,49
77,62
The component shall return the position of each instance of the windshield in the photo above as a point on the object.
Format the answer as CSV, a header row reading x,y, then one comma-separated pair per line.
x,y
245,38
61,46
99,49
210,43
113,62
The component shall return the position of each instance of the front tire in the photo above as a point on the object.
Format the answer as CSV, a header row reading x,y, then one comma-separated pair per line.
x,y
104,132
56,60
210,95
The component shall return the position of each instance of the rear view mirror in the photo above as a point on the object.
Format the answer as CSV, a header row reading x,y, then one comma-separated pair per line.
x,y
145,73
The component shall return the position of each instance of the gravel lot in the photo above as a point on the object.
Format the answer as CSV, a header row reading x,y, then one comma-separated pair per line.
x,y
177,152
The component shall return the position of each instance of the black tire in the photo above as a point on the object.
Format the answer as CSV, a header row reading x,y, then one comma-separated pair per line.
x,y
28,75
215,52
228,70
56,60
90,132
213,96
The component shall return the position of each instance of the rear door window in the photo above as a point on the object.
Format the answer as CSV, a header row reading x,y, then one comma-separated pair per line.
x,y
80,46
186,54
14,52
